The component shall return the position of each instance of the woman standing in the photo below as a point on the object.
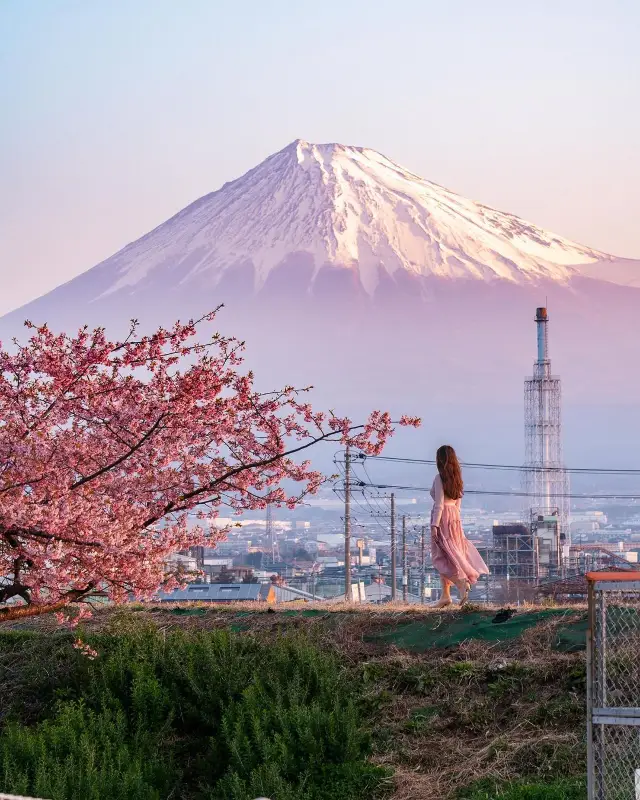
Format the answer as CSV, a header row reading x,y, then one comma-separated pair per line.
x,y
452,554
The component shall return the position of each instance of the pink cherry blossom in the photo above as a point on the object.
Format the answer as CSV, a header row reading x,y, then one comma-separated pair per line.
x,y
86,650
110,450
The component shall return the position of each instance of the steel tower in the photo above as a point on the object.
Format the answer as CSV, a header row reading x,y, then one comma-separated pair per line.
x,y
545,475
271,535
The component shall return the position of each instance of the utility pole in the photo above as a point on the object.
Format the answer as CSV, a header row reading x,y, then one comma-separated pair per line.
x,y
393,547
405,587
347,526
424,531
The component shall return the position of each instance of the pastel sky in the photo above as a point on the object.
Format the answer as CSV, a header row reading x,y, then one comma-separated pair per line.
x,y
115,114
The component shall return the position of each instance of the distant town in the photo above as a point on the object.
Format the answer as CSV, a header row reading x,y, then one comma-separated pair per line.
x,y
287,556
368,542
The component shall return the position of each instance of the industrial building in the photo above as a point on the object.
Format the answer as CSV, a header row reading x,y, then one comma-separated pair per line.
x,y
514,552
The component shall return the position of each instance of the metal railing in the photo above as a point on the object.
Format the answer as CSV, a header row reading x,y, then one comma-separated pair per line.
x,y
613,686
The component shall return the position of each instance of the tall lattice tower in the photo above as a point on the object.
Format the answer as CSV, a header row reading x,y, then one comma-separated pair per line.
x,y
545,475
271,535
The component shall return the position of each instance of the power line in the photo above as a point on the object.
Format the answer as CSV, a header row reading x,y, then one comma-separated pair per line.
x,y
504,467
370,479
377,515
369,513
509,493
380,513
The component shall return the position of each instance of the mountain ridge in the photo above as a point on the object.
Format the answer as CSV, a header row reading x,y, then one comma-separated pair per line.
x,y
445,340
348,208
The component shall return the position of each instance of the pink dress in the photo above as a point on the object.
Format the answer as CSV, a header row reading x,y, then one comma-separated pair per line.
x,y
452,554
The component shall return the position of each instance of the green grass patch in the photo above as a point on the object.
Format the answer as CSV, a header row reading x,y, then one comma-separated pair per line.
x,y
186,611
553,790
204,715
421,719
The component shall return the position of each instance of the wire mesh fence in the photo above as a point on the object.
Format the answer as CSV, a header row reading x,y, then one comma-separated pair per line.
x,y
613,686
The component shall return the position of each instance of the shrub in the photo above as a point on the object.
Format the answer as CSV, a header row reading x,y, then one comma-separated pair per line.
x,y
81,754
195,715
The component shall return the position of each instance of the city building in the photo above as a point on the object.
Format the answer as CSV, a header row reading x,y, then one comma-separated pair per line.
x,y
220,593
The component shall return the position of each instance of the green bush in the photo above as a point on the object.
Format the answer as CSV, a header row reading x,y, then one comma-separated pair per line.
x,y
81,754
193,715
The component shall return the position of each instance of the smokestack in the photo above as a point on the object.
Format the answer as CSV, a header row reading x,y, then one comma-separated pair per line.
x,y
543,344
546,478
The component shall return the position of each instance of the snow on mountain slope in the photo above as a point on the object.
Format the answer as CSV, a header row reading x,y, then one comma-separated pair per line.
x,y
346,207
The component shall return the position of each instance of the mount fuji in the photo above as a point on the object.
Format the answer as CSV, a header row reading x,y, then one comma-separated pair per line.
x,y
343,269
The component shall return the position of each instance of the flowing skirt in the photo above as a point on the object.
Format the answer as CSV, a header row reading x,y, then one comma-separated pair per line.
x,y
452,554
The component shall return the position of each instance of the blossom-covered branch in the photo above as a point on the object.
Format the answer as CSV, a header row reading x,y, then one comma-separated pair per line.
x,y
107,448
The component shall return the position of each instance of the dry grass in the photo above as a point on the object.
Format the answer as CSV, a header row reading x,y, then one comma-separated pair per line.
x,y
512,712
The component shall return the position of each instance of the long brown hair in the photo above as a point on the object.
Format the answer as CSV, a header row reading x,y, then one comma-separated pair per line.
x,y
450,472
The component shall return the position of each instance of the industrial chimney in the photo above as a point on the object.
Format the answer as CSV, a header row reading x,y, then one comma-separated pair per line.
x,y
544,472
543,342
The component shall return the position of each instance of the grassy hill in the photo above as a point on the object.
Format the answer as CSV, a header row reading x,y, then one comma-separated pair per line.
x,y
305,703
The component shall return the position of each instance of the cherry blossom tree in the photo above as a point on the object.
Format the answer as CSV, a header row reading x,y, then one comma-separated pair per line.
x,y
110,449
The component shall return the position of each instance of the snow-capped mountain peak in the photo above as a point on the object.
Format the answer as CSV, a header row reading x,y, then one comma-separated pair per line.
x,y
346,207
342,269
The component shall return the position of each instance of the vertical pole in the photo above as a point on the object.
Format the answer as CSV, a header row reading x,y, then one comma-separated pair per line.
x,y
602,702
393,547
591,772
424,531
602,655
601,688
404,560
347,526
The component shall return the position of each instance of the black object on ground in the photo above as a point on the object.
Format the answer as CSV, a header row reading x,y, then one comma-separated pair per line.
x,y
503,615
